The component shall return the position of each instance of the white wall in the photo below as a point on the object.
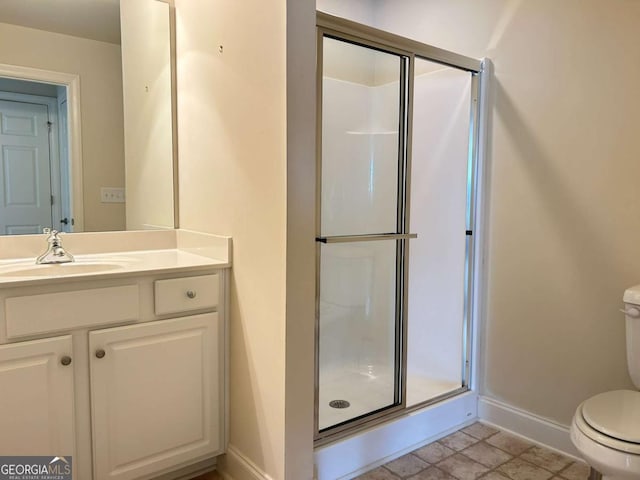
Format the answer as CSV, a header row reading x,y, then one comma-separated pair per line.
x,y
563,194
146,83
361,11
247,169
99,66
233,173
301,245
29,88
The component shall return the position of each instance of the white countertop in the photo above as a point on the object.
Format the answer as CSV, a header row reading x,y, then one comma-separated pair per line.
x,y
18,272
104,256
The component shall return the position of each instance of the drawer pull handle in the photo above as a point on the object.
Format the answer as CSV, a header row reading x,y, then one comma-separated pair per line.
x,y
191,294
100,353
66,360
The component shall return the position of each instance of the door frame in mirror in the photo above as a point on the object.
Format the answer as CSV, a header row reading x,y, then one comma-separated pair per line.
x,y
72,83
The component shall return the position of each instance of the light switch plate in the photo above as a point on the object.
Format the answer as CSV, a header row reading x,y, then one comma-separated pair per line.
x,y
112,195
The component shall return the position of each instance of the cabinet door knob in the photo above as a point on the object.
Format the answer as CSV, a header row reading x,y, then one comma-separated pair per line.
x,y
66,360
191,294
100,353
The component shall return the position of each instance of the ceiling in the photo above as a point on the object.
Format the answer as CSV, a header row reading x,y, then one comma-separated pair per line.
x,y
93,19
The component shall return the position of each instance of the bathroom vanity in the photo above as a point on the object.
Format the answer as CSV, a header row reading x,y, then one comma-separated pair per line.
x,y
117,360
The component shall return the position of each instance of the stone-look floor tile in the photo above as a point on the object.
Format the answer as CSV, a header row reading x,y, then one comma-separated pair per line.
x,y
458,441
462,467
494,476
379,473
546,458
434,452
480,430
407,465
576,471
487,455
518,469
432,473
509,443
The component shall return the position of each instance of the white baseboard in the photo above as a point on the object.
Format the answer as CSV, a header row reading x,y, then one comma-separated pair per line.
x,y
234,465
524,424
352,456
189,471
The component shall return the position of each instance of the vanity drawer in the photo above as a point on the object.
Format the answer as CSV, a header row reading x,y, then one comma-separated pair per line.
x,y
51,312
186,294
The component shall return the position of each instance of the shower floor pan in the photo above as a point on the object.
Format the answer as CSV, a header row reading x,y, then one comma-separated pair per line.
x,y
366,393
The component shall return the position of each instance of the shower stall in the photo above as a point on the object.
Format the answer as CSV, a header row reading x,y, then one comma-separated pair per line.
x,y
398,125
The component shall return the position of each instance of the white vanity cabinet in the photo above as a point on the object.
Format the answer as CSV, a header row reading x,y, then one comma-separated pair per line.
x,y
155,395
36,398
126,376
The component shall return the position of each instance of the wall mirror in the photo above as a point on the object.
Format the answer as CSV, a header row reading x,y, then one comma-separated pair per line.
x,y
87,115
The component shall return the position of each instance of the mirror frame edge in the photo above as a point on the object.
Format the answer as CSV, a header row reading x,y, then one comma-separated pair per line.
x,y
174,109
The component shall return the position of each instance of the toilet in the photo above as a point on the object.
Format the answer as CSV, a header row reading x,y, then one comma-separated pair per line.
x,y
606,427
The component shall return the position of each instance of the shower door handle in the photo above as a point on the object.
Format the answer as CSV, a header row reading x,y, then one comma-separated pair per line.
x,y
366,238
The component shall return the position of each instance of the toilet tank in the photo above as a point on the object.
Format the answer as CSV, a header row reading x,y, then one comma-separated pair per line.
x,y
632,318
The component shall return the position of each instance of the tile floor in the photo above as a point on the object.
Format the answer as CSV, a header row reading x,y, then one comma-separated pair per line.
x,y
475,452
480,452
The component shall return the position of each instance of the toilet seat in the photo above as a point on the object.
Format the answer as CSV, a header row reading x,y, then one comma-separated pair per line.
x,y
612,419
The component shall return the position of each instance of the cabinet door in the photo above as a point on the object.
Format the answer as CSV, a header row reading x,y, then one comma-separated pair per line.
x,y
155,395
36,398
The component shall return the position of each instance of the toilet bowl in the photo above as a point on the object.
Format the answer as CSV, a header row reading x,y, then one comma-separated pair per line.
x,y
606,428
606,431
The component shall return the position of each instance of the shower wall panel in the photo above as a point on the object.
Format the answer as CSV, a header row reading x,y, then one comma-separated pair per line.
x,y
440,155
357,304
359,120
360,137
358,178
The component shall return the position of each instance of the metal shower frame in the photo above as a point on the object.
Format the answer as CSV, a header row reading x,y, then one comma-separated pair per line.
x,y
407,50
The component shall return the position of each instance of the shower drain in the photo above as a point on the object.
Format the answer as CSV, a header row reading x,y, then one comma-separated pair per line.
x,y
339,404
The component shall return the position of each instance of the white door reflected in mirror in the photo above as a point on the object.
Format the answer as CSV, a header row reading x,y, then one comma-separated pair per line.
x,y
25,177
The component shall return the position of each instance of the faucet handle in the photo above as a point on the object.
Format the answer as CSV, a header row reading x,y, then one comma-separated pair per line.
x,y
53,237
50,231
55,253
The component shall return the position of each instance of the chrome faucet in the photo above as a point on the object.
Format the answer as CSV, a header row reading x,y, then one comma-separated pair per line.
x,y
55,253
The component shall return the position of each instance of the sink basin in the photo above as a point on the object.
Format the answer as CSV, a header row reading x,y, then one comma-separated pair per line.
x,y
58,270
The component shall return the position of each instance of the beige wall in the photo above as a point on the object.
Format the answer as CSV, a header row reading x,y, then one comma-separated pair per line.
x,y
232,143
361,11
563,226
564,167
301,202
148,144
99,66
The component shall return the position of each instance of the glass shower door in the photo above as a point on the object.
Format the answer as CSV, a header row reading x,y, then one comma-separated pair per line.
x,y
361,232
441,191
